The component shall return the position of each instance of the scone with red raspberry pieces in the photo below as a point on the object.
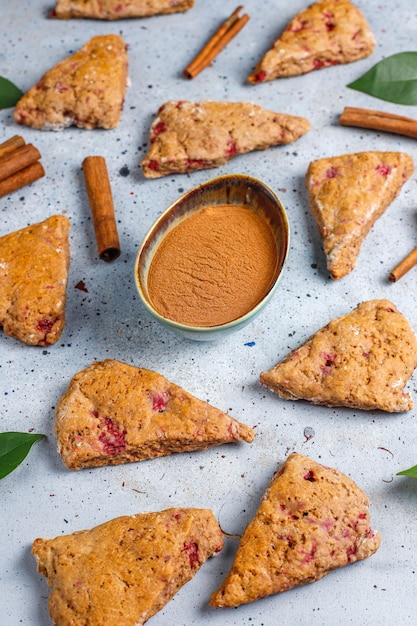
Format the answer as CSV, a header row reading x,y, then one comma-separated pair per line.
x,y
116,413
312,519
86,90
125,570
328,32
116,10
187,136
347,194
361,360
34,264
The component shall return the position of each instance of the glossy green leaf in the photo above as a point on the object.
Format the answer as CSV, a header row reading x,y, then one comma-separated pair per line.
x,y
9,93
14,448
412,471
393,79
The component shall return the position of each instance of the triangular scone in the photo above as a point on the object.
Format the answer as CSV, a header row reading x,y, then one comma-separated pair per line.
x,y
34,263
188,136
347,194
312,520
125,570
328,32
116,10
361,360
116,413
86,89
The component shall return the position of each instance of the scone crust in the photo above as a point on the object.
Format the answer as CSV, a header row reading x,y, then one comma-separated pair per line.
x,y
312,520
125,570
86,90
116,413
361,360
328,32
116,10
347,194
187,136
34,263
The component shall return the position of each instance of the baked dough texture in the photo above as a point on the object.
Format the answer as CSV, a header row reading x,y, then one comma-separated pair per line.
x,y
116,413
361,360
312,519
116,10
328,32
86,90
34,264
187,136
347,194
125,570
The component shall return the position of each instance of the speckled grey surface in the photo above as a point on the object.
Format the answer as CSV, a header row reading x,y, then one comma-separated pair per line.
x,y
42,498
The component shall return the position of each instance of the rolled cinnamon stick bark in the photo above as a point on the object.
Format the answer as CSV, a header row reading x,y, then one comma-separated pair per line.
x,y
11,144
404,266
17,160
21,178
102,207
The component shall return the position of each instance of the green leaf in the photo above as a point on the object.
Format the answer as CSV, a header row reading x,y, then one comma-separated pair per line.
x,y
14,448
9,93
412,471
393,79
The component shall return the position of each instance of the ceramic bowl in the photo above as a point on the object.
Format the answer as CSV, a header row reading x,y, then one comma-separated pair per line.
x,y
229,189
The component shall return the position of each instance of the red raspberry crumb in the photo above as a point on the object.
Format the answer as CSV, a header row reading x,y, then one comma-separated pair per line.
x,y
153,165
350,552
45,326
159,128
159,401
260,76
112,438
192,549
231,147
310,476
331,172
383,169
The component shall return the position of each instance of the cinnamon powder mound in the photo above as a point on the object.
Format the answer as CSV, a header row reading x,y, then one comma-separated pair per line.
x,y
213,267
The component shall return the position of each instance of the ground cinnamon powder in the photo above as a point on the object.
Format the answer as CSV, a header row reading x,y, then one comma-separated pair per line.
x,y
213,267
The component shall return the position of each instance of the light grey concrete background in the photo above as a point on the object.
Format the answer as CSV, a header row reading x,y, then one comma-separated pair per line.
x,y
42,498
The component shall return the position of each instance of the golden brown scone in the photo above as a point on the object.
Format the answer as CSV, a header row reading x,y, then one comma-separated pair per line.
x,y
34,263
116,10
361,360
125,570
187,136
86,90
328,32
116,413
347,194
312,520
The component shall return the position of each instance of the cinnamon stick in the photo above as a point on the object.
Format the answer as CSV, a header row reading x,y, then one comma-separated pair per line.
x,y
102,207
379,120
402,268
223,35
17,160
21,178
11,144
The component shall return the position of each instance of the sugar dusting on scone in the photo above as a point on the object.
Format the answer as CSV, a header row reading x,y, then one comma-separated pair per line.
x,y
34,264
125,570
116,413
187,136
361,360
328,32
116,10
86,90
312,519
347,194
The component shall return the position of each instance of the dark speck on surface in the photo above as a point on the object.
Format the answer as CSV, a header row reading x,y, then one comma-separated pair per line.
x,y
124,171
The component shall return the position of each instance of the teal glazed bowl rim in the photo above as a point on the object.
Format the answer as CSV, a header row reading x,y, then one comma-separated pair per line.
x,y
227,189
